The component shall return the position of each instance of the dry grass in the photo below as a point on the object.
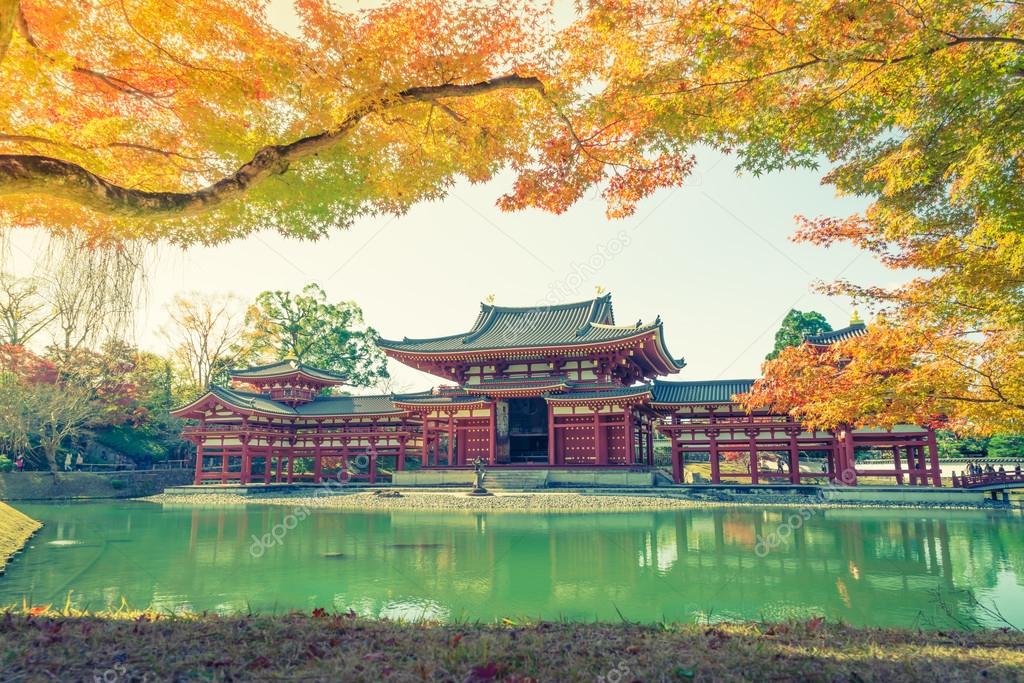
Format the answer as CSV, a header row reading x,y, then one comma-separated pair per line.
x,y
41,645
15,529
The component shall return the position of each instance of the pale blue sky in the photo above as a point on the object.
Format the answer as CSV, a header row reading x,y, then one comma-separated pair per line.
x,y
713,258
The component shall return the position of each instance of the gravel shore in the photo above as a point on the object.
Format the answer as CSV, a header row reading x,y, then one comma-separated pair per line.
x,y
539,501
441,500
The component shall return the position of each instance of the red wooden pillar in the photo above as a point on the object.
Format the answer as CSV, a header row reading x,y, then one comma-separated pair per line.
x,y
630,437
344,460
425,457
716,474
600,444
649,432
199,461
461,443
921,467
291,460
246,472
552,451
754,465
492,436
933,459
280,463
317,462
373,461
677,460
268,461
830,460
224,460
848,472
451,437
400,462
794,458
897,465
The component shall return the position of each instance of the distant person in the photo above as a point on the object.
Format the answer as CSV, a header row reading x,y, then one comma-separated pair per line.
x,y
1002,471
778,465
19,464
1016,470
79,461
989,469
67,462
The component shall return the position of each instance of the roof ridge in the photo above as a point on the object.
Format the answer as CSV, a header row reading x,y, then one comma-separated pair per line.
x,y
604,298
701,381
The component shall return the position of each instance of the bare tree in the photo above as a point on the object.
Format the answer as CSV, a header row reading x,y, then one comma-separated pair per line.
x,y
208,335
93,291
24,310
38,419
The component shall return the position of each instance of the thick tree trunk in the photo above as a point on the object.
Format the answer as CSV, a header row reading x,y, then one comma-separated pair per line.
x,y
28,173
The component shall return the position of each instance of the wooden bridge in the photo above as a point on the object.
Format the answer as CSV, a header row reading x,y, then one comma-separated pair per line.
x,y
996,482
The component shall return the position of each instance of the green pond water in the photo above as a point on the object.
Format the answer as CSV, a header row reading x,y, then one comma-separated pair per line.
x,y
866,567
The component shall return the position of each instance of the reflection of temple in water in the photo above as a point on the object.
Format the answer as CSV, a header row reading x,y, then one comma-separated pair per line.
x,y
859,566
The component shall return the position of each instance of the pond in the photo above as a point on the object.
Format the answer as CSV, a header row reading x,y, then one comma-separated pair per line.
x,y
927,568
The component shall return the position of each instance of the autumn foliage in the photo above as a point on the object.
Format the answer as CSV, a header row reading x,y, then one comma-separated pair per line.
x,y
201,121
204,120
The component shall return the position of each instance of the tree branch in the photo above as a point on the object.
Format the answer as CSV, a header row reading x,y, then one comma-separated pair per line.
x,y
24,173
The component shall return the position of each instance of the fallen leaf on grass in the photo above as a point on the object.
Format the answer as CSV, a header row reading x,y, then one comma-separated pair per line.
x,y
484,672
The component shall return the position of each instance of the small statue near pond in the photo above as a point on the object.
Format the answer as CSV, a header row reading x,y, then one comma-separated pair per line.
x,y
479,474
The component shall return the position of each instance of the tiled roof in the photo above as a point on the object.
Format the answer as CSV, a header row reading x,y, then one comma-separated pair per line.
x,y
710,391
321,405
286,367
608,392
502,327
834,336
251,401
431,398
483,386
348,405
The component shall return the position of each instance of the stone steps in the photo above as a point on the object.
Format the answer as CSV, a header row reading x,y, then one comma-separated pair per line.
x,y
518,480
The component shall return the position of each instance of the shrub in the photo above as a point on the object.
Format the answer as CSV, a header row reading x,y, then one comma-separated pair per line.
x,y
5,464
118,484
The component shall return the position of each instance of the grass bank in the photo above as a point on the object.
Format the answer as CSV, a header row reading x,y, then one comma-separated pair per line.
x,y
41,645
15,530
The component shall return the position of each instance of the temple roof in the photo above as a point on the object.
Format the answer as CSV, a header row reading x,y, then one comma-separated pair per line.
x,y
433,398
848,332
504,327
708,391
288,366
610,391
251,401
349,405
320,406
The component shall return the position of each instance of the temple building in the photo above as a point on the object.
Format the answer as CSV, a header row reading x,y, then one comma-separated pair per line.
x,y
558,385
552,388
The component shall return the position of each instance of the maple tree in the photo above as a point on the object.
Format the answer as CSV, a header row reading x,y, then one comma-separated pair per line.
x,y
913,106
201,121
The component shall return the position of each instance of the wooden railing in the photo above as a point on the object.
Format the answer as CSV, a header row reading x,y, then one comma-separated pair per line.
x,y
969,481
